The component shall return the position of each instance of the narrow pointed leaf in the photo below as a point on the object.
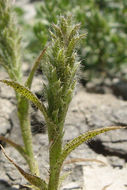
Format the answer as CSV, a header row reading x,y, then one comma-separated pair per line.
x,y
18,147
34,180
74,160
72,145
35,66
27,94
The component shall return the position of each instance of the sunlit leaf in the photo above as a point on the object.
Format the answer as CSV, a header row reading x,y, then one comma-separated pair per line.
x,y
35,66
72,145
27,94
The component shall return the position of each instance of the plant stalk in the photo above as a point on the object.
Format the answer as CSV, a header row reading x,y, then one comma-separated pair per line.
x,y
24,119
55,139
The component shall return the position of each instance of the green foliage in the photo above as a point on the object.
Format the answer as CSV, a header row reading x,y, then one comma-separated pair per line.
x,y
73,144
27,94
10,59
9,41
60,65
104,51
60,68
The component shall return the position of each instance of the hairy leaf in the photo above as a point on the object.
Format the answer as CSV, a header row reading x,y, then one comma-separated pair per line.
x,y
72,145
35,66
34,180
27,94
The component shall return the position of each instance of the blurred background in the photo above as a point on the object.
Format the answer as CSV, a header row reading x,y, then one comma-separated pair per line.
x,y
103,52
103,73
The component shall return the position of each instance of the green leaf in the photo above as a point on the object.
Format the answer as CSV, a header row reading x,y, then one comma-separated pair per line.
x,y
18,147
35,66
27,94
72,145
30,96
34,180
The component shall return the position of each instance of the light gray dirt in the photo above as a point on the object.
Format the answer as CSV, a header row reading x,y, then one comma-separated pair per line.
x,y
87,111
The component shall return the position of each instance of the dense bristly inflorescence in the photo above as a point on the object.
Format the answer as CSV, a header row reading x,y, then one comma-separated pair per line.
x,y
60,68
9,41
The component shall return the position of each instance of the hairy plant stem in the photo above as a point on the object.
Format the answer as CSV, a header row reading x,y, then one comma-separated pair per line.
x,y
55,139
10,58
24,119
